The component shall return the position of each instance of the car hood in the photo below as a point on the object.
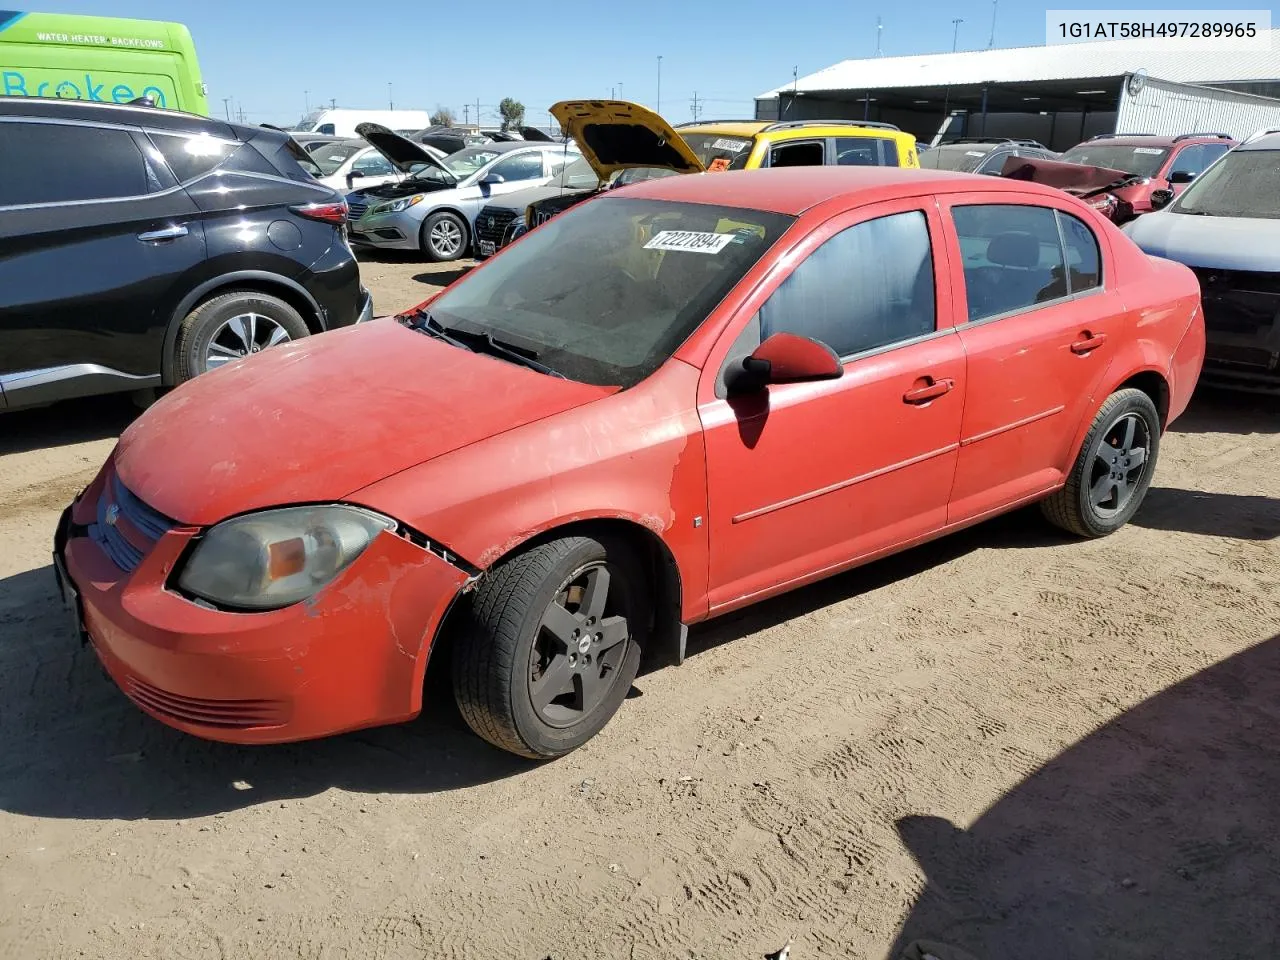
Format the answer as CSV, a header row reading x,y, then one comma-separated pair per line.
x,y
319,419
1222,243
616,135
401,152
1076,178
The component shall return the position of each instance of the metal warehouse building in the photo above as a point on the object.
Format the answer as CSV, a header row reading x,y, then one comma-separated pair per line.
x,y
1058,94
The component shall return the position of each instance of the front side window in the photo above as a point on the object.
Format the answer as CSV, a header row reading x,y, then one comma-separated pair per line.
x,y
374,164
59,163
866,152
869,286
1016,257
605,292
1245,184
524,166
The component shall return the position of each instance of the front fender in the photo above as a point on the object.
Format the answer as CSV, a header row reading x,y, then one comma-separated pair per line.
x,y
635,456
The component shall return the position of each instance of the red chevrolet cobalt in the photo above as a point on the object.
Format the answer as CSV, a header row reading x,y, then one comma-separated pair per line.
x,y
671,401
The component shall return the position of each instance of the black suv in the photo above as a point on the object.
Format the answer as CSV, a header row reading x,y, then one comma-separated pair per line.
x,y
140,247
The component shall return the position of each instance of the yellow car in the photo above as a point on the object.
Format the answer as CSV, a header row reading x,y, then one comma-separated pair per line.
x,y
614,135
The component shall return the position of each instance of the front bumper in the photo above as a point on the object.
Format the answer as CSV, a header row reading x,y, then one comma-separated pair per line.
x,y
388,231
353,656
366,306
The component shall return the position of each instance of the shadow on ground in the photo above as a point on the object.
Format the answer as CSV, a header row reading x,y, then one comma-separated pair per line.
x,y
1156,836
1239,516
68,422
1222,411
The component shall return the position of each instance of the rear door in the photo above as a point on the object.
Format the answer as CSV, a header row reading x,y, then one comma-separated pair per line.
x,y
808,477
93,229
1038,336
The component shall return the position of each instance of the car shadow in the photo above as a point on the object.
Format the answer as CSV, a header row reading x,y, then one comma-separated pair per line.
x,y
65,423
443,277
75,747
1158,835
1241,517
1224,411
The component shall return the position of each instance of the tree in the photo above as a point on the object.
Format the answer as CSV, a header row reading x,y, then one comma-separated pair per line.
x,y
443,117
512,113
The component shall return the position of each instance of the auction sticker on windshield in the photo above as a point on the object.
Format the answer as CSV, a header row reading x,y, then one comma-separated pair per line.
x,y
733,145
1153,151
692,241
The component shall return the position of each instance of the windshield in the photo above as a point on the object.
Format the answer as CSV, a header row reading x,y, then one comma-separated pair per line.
x,y
710,147
606,292
1140,161
1244,183
576,176
964,158
466,162
334,155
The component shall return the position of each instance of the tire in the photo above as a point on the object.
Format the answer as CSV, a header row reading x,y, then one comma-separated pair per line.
x,y
504,653
434,230
1077,507
209,330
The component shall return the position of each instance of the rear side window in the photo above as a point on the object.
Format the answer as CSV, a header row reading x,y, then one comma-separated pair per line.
x,y
290,160
1016,257
59,163
866,152
867,287
807,154
191,157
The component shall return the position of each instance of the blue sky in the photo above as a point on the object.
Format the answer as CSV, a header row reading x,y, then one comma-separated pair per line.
x,y
270,55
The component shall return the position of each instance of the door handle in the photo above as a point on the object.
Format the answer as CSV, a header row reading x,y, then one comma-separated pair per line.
x,y
164,233
931,391
1088,343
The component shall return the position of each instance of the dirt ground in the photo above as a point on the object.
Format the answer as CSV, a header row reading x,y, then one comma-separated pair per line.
x,y
1007,741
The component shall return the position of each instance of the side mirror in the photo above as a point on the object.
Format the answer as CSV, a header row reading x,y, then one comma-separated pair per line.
x,y
492,179
783,358
353,176
1160,198
1181,176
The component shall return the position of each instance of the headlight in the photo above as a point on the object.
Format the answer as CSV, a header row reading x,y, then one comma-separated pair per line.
x,y
395,206
267,560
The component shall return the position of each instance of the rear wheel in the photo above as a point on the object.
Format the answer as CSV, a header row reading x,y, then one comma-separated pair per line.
x,y
231,326
1113,470
552,645
444,236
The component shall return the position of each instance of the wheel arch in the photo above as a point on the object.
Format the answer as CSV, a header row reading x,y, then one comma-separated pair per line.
x,y
257,281
651,549
1147,377
445,208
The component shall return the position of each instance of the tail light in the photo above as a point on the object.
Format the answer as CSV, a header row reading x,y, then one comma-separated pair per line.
x,y
335,213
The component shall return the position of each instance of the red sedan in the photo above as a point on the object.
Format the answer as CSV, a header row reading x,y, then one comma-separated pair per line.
x,y
674,400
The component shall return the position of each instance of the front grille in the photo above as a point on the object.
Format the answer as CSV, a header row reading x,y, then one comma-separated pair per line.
x,y
1241,317
126,528
356,206
230,714
492,224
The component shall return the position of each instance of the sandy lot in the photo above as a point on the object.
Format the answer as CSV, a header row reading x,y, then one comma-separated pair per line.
x,y
1007,741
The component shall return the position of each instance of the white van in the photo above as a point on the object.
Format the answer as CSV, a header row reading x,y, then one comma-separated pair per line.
x,y
342,123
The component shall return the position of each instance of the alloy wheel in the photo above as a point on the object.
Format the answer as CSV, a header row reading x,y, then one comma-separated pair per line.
x,y
1119,463
241,336
445,238
582,642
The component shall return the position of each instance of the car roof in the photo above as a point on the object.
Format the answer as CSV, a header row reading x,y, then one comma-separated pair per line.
x,y
793,190
154,118
1151,140
1265,141
741,128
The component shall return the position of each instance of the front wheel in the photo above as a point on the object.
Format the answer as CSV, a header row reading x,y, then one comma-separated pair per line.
x,y
444,236
1112,472
551,645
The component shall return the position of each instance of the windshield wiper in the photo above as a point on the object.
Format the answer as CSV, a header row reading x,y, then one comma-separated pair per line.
x,y
481,343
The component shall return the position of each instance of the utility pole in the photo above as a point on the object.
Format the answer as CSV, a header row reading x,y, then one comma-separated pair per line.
x,y
879,35
657,107
955,37
477,113
391,104
466,114
995,8
619,89
306,98
226,107
695,106
333,103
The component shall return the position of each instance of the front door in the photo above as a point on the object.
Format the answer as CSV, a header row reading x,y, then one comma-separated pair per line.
x,y
1039,314
804,479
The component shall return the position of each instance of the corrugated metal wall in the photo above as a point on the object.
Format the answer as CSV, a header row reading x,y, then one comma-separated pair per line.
x,y
1167,108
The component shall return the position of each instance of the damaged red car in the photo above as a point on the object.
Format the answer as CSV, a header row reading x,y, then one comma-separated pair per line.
x,y
673,400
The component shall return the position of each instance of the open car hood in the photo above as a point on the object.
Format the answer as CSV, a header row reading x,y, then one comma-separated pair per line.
x,y
534,135
1075,178
616,135
402,153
